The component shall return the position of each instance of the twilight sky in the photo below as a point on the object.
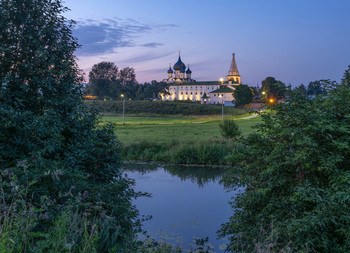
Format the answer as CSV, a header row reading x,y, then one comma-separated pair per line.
x,y
295,41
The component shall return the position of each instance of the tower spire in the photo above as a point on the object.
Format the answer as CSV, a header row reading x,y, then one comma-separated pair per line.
x,y
233,68
233,74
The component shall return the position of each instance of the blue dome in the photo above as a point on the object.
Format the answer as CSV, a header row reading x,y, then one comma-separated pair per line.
x,y
188,71
179,64
170,71
183,69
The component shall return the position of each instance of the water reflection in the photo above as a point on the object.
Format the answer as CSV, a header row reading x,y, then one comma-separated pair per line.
x,y
187,202
199,175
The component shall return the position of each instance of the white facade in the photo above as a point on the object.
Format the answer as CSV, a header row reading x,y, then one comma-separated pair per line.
x,y
182,87
221,97
193,91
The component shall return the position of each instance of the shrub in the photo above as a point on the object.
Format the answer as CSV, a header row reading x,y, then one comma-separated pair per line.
x,y
296,177
45,126
229,129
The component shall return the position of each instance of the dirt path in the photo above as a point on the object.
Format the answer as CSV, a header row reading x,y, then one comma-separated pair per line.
x,y
251,116
200,122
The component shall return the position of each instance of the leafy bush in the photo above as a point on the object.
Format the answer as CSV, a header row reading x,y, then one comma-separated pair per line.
x,y
45,126
296,176
229,129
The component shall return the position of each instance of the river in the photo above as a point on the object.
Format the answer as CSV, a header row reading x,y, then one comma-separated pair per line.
x,y
186,203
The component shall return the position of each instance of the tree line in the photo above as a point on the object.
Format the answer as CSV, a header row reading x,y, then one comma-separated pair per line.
x,y
275,90
107,81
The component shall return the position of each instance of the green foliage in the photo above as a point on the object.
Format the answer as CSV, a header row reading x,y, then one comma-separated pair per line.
x,y
317,88
151,90
346,77
229,129
45,127
301,90
162,108
106,81
273,88
26,226
243,95
296,177
208,152
102,77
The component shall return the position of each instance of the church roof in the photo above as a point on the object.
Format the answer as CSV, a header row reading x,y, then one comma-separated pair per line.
x,y
233,71
170,70
194,83
179,64
188,70
223,89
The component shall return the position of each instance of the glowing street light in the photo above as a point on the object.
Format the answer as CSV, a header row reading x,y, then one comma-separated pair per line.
x,y
222,106
122,95
221,80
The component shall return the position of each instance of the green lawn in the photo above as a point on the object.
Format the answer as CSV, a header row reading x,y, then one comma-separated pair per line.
x,y
146,120
163,129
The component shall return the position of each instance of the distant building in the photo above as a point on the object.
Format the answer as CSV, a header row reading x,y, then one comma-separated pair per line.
x,y
183,87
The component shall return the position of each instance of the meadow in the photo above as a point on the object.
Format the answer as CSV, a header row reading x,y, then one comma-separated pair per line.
x,y
177,139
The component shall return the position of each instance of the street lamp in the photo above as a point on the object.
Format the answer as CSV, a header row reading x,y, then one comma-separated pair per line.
x,y
122,95
222,106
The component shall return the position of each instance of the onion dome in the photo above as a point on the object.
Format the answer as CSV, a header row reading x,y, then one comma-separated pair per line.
x,y
183,69
188,70
170,71
179,64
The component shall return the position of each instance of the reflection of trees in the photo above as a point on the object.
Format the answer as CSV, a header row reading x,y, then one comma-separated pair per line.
x,y
196,174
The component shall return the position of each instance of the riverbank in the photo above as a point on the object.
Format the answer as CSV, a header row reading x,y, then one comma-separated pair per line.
x,y
178,139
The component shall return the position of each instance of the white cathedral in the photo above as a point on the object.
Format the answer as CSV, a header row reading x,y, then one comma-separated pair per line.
x,y
183,87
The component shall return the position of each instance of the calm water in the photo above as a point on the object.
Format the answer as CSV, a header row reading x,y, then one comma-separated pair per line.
x,y
186,202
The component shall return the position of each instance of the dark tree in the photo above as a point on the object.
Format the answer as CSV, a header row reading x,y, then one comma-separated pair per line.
x,y
106,81
317,88
243,95
346,77
152,90
301,89
49,140
295,173
102,78
273,88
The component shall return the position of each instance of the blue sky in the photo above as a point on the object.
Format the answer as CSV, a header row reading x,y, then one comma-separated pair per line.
x,y
295,41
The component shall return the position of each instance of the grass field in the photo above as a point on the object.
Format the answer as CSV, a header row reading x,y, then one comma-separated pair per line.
x,y
162,129
177,139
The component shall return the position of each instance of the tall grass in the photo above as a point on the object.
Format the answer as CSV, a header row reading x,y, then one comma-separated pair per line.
x,y
201,152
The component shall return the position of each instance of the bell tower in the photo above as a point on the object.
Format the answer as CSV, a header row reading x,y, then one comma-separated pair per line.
x,y
233,74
